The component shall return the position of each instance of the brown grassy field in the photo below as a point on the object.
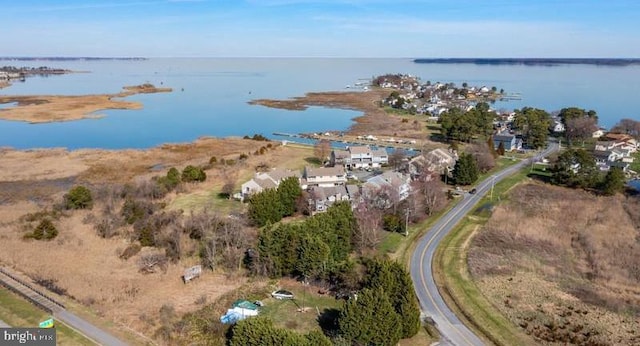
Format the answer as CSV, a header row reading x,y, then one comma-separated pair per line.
x,y
51,108
563,265
375,119
87,266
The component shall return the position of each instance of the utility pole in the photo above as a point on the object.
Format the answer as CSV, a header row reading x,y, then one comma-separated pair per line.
x,y
406,222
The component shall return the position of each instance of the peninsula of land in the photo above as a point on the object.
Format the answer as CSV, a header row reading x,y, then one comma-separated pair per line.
x,y
57,108
8,74
531,61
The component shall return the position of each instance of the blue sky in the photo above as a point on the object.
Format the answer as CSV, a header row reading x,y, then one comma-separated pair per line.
x,y
329,28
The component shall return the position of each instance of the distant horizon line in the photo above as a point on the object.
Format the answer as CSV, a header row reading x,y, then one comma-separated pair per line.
x,y
461,59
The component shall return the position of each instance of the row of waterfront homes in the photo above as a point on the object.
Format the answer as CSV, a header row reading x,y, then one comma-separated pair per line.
x,y
336,182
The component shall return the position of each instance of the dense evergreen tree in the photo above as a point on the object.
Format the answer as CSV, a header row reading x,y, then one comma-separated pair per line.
x,y
79,197
482,118
370,320
336,227
265,207
288,192
613,182
260,331
569,113
313,255
534,124
309,248
575,168
278,248
465,171
392,278
458,125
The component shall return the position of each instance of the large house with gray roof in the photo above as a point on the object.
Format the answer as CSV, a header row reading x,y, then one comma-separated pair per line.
x,y
266,180
357,157
323,177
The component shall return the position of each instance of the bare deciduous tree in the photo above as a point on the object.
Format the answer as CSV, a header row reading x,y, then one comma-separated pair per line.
x,y
369,219
428,191
322,149
580,128
149,263
483,156
628,126
397,158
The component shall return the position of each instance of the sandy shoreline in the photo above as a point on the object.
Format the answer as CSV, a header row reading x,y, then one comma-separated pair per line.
x,y
57,108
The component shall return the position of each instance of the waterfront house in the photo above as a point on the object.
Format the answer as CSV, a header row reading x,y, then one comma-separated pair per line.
x,y
323,177
357,157
266,180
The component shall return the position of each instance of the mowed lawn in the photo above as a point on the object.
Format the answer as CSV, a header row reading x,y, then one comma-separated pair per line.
x,y
301,313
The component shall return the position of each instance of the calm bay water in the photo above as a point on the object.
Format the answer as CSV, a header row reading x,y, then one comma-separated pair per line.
x,y
210,96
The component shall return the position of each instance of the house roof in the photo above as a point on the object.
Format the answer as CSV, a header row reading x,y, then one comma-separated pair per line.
x,y
340,154
352,190
440,155
601,154
359,150
380,152
391,178
503,137
323,171
278,174
265,183
322,193
618,136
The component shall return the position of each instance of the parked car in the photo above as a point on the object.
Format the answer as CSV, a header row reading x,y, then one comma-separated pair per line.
x,y
282,294
472,191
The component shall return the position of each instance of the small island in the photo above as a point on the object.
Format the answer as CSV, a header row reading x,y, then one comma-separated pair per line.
x,y
56,108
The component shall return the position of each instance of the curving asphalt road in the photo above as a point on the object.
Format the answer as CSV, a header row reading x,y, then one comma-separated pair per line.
x,y
452,330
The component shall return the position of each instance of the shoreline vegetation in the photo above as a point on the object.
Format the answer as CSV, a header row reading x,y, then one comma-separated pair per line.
x,y
530,61
57,108
374,119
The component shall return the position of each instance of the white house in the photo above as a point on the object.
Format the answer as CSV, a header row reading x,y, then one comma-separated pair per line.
x,y
359,157
322,198
323,177
558,127
399,183
266,180
597,133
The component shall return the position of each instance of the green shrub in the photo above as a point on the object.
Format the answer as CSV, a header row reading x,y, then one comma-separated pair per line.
x,y
78,197
392,223
44,231
192,174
